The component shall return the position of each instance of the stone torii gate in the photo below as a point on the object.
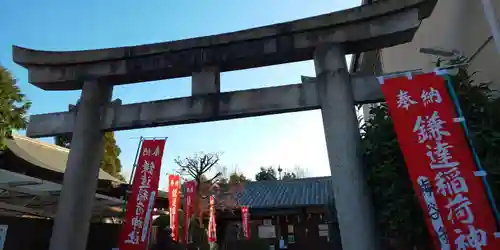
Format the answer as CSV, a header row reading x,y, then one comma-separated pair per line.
x,y
326,39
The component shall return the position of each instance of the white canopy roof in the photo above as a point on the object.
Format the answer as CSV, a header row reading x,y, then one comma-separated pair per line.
x,y
25,195
45,155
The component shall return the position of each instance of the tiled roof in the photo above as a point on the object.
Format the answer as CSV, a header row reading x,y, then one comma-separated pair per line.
x,y
289,193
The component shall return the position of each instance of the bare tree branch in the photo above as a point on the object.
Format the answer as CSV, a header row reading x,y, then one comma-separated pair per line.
x,y
300,172
202,163
219,174
198,165
186,167
212,163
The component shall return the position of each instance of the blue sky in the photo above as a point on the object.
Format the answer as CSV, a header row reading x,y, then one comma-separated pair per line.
x,y
289,139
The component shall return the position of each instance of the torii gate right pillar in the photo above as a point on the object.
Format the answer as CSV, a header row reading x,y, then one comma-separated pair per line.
x,y
352,200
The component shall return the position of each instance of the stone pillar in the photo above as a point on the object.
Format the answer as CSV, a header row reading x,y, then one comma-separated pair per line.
x,y
207,81
352,202
71,226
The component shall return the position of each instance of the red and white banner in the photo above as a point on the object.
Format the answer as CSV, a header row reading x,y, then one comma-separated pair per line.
x,y
244,222
174,190
188,211
212,227
140,204
440,163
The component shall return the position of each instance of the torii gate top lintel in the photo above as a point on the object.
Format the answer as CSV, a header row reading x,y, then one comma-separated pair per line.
x,y
378,25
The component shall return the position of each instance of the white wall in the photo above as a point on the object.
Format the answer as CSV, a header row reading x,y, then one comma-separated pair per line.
x,y
454,24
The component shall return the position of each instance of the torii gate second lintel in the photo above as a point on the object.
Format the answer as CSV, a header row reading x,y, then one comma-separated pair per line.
x,y
205,107
326,39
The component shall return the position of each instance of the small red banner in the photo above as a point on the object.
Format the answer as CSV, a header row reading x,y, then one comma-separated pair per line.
x,y
188,203
244,222
212,231
174,182
140,204
440,163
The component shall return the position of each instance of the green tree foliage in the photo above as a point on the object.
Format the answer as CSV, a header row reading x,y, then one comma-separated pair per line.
x,y
270,173
63,141
266,174
110,161
13,106
398,213
236,178
289,176
394,199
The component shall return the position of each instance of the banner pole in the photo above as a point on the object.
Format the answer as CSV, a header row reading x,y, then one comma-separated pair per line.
x,y
132,174
135,160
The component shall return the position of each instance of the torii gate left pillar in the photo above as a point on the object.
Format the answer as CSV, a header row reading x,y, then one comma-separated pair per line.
x,y
353,205
72,222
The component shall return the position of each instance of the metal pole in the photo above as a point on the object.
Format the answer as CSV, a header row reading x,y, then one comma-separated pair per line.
x,y
125,197
135,160
489,12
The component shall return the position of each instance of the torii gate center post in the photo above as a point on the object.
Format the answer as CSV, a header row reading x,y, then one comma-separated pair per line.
x,y
326,39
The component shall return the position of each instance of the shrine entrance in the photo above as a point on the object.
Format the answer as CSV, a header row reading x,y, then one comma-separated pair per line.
x,y
326,39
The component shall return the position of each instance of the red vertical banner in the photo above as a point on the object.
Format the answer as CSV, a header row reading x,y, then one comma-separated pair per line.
x,y
212,232
440,163
245,215
140,203
188,211
174,182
